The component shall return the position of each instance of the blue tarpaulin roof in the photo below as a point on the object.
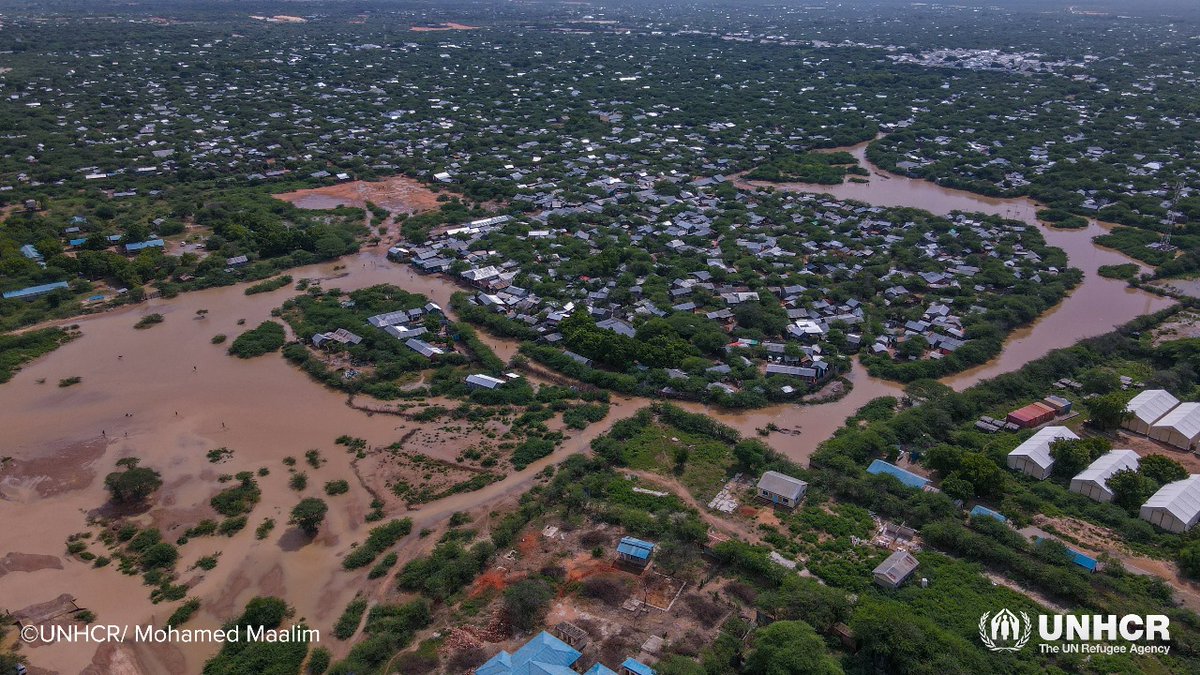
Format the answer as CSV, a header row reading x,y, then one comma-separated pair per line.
x,y
634,666
981,510
879,467
635,547
1085,561
543,655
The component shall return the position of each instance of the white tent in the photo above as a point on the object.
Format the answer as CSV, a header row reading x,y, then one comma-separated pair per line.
x,y
1180,427
1176,506
1146,408
1033,456
1092,482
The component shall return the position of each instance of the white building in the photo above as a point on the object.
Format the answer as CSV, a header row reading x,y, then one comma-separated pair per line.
x,y
1092,482
1146,408
1175,507
1180,427
1033,456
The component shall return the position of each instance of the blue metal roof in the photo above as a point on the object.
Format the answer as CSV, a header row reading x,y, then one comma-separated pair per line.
x,y
77,242
34,291
635,547
1085,561
633,665
600,669
981,510
542,655
150,243
879,467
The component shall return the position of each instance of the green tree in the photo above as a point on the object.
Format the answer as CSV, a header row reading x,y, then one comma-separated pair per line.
x,y
134,484
309,514
1161,469
789,647
1130,489
526,602
1108,411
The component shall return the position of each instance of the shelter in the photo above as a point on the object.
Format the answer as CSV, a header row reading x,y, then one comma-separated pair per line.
x,y
1033,456
782,489
894,571
1180,427
1092,482
912,480
1175,507
635,551
1147,408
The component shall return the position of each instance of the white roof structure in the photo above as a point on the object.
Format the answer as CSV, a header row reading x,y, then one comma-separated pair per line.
x,y
1092,482
782,485
484,381
1180,427
1033,456
1151,404
1176,506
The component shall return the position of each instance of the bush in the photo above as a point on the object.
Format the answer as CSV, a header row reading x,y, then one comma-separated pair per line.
x,y
378,540
267,337
133,485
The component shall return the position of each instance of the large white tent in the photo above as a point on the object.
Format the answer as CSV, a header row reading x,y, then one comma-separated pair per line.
x,y
1180,427
1146,408
1176,506
1033,456
1092,482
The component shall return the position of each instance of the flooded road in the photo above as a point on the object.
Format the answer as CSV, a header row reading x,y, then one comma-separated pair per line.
x,y
168,395
1095,307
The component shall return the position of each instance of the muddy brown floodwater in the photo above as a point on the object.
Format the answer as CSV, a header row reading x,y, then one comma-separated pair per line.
x,y
167,395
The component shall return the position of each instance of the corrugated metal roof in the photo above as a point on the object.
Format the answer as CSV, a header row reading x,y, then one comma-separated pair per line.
x,y
782,484
637,548
907,477
1185,419
1152,404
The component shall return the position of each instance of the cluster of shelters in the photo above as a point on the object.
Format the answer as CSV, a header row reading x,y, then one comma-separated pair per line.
x,y
1161,416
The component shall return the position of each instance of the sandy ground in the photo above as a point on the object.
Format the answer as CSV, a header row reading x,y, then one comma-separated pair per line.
x,y
398,193
442,27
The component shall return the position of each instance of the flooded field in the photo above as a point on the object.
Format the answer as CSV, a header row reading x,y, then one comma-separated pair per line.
x,y
398,193
167,395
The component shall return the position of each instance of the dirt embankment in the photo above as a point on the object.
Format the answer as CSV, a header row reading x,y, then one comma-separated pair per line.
x,y
398,193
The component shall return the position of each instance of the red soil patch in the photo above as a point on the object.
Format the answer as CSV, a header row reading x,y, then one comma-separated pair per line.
x,y
398,193
747,511
527,545
493,579
582,568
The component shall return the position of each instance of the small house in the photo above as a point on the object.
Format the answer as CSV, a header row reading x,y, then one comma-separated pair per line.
x,y
480,381
634,551
781,489
893,572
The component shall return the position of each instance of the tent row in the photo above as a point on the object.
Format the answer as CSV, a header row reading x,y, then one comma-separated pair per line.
x,y
1159,415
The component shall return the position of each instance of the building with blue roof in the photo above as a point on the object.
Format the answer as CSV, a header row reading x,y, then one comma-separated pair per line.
x,y
1085,561
543,655
142,245
634,667
982,511
34,291
600,669
77,242
635,551
912,480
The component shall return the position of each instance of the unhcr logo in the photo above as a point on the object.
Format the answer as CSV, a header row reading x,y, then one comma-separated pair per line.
x,y
1003,631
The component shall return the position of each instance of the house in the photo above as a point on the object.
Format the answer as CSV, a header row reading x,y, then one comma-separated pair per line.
x,y
632,666
894,571
1175,507
237,261
1180,427
1092,482
483,382
981,511
423,348
782,489
31,292
543,655
1147,408
143,245
634,551
879,467
341,336
1032,415
1033,456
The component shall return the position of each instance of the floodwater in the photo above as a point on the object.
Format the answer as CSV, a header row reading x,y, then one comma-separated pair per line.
x,y
167,395
1095,307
